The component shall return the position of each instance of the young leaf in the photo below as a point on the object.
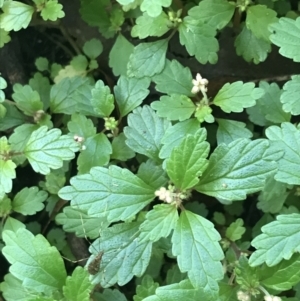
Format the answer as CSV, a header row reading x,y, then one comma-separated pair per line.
x,y
130,93
237,169
102,100
145,289
174,107
147,59
230,130
78,287
28,201
284,139
97,153
259,17
42,64
236,230
195,243
279,240
286,35
175,134
12,118
154,7
41,268
4,39
115,191
145,131
188,160
199,40
123,255
81,126
250,47
237,96
16,15
52,10
151,26
160,221
216,13
48,149
92,48
120,150
290,96
174,79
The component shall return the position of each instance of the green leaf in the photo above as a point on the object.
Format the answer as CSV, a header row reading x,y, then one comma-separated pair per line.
x,y
102,100
175,134
12,118
283,276
79,63
286,35
174,79
28,201
216,13
259,17
174,107
16,15
188,160
174,275
147,59
154,7
250,47
195,243
236,230
4,37
160,221
284,139
81,126
120,150
123,256
237,96
125,196
290,96
230,130
279,240
145,289
151,26
48,149
42,64
78,287
199,40
52,11
96,153
237,169
27,100
92,48
119,55
74,220
180,291
130,93
41,268
145,131
227,292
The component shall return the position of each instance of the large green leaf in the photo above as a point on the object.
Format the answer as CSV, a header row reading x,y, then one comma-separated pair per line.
x,y
195,243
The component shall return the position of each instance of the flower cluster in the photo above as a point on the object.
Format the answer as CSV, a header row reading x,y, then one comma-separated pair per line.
x,y
164,195
199,84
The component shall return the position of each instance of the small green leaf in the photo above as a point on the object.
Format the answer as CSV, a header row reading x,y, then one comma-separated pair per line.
x,y
286,35
290,96
125,196
42,64
147,59
120,150
236,230
4,37
174,107
188,160
174,79
5,206
78,287
79,63
154,7
230,130
92,48
81,126
145,131
48,149
41,268
145,289
151,26
199,40
160,221
102,99
237,96
12,118
237,169
279,240
16,15
195,243
96,153
28,201
259,17
52,11
112,295
130,93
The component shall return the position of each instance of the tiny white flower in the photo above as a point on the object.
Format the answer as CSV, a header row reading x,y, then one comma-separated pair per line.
x,y
242,296
272,298
78,138
164,195
199,84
